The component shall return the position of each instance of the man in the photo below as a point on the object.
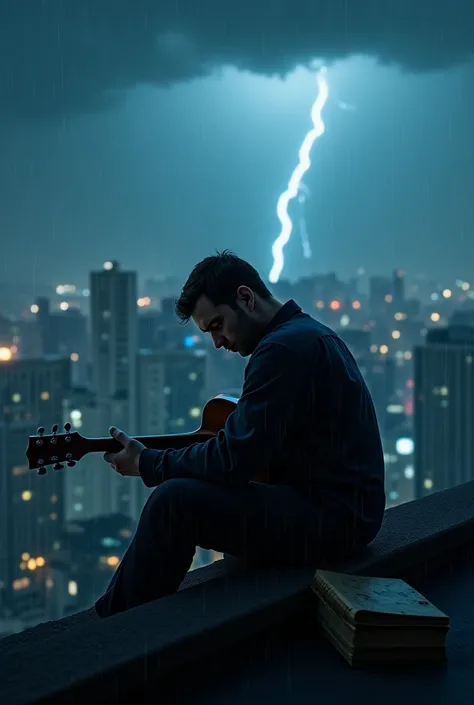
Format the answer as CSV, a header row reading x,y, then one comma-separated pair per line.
x,y
305,418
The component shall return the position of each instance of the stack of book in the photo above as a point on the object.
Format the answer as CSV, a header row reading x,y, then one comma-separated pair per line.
x,y
379,620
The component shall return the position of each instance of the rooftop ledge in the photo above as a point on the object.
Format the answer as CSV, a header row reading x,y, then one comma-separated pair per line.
x,y
85,659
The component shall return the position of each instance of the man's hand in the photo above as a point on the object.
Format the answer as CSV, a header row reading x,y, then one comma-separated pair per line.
x,y
125,462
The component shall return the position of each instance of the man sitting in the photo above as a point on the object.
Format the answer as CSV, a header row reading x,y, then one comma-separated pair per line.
x,y
305,420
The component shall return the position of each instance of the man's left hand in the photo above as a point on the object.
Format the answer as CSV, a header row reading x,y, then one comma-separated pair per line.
x,y
126,462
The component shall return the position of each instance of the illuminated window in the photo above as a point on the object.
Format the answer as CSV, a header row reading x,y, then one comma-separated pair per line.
x,y
72,588
26,495
19,470
21,583
44,396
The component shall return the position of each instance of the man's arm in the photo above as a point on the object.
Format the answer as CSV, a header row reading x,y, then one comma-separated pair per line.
x,y
253,434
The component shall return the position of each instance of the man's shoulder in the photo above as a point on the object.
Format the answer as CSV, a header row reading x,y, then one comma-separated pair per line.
x,y
298,333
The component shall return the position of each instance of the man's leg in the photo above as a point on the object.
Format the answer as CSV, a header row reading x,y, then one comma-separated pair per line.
x,y
269,525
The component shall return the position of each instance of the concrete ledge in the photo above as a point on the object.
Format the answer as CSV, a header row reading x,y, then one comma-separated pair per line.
x,y
100,657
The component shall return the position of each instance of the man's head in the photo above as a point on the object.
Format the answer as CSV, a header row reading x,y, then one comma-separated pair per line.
x,y
226,297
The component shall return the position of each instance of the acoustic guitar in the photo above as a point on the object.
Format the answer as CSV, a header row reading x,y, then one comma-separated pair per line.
x,y
70,447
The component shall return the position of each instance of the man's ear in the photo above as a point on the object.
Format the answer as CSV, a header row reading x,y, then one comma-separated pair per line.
x,y
247,297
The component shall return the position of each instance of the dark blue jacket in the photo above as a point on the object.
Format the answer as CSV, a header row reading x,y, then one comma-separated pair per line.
x,y
306,413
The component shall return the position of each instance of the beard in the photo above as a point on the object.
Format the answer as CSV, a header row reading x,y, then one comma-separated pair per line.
x,y
248,334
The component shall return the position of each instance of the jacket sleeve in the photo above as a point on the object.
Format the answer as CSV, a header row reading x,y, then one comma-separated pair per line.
x,y
254,433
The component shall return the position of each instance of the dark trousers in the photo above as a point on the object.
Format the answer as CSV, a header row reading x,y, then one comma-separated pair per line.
x,y
265,525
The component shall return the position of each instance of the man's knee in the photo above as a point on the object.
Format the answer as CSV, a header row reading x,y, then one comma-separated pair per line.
x,y
173,497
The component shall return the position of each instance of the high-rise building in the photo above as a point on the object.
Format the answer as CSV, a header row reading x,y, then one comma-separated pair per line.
x,y
114,343
380,295
114,335
444,410
398,290
31,506
171,391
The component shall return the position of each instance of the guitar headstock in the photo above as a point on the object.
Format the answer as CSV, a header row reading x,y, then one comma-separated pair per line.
x,y
54,448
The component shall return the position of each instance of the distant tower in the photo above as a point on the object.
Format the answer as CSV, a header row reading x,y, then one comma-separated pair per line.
x,y
399,290
444,410
114,336
114,342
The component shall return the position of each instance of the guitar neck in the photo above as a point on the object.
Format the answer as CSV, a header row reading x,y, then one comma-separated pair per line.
x,y
175,441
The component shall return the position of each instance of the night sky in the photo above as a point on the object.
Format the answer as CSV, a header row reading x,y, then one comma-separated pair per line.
x,y
154,136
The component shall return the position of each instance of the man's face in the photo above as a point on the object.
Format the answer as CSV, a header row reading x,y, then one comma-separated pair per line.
x,y
233,329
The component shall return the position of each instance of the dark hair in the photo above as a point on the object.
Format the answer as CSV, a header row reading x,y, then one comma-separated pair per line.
x,y
218,277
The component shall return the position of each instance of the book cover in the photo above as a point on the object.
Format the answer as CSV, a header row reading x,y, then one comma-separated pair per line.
x,y
373,600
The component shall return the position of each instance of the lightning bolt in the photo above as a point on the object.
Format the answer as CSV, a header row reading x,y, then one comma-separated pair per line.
x,y
296,177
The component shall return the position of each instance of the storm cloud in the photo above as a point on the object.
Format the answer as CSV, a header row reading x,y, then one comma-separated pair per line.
x,y
61,57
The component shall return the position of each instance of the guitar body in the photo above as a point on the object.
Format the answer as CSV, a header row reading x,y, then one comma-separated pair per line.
x,y
215,413
56,448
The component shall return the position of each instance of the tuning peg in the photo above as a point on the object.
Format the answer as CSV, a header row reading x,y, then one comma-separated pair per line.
x,y
41,471
54,429
40,431
71,463
67,427
58,466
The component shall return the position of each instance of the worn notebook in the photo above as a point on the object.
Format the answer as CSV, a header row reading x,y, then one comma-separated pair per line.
x,y
382,602
379,620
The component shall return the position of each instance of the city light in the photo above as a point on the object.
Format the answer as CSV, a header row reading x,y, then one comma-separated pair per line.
x,y
404,446
447,293
74,357
384,349
72,588
356,304
5,354
335,305
34,308
64,305
435,317
144,301
396,334
26,495
108,266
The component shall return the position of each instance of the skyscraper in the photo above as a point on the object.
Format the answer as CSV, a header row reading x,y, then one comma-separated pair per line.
x,y
114,335
31,507
114,342
444,410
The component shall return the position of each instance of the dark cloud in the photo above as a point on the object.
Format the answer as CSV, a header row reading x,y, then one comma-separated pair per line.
x,y
65,56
